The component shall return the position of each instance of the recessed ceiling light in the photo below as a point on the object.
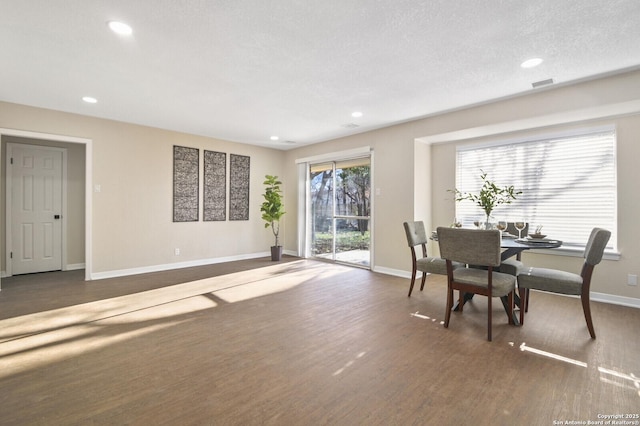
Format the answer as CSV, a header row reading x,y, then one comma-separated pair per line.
x,y
356,114
274,138
120,28
530,63
89,100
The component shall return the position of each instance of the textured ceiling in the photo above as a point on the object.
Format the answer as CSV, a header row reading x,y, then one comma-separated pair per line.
x,y
243,70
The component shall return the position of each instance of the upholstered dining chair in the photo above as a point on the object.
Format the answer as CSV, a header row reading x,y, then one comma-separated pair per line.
x,y
417,236
514,266
480,248
562,282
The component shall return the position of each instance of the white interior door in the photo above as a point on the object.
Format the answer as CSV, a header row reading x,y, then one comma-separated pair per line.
x,y
36,208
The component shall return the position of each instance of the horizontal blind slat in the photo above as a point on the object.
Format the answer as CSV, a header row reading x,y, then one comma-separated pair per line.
x,y
568,183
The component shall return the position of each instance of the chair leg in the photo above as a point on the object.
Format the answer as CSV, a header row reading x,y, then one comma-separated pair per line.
x,y
413,281
524,300
586,307
489,318
511,322
447,314
526,305
424,278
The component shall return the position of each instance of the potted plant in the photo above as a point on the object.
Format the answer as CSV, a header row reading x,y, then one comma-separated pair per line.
x,y
489,197
272,210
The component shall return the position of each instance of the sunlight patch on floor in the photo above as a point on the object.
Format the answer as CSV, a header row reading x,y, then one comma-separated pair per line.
x,y
17,327
348,364
616,378
275,284
611,377
40,338
425,317
21,355
525,348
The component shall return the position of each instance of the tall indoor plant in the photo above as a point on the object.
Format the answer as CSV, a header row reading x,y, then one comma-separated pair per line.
x,y
489,197
272,210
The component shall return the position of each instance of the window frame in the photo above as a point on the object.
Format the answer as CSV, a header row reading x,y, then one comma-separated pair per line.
x,y
565,139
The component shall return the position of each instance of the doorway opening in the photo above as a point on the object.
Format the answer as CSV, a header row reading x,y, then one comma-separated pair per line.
x,y
78,236
340,211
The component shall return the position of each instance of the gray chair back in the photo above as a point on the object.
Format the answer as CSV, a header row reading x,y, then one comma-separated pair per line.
x,y
470,246
594,249
416,233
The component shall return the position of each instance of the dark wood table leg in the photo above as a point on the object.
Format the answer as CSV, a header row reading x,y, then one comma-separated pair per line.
x,y
467,297
516,302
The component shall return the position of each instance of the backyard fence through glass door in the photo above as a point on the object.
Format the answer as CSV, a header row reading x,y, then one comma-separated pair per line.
x,y
340,211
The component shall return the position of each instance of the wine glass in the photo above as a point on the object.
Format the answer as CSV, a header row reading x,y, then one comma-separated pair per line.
x,y
502,226
520,227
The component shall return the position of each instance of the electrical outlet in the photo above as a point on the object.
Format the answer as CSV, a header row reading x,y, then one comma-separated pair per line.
x,y
177,252
632,279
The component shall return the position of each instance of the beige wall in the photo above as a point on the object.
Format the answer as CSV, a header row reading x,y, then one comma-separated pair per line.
x,y
611,276
131,220
392,206
400,162
132,224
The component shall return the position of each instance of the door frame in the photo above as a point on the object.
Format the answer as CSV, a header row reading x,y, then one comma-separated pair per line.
x,y
88,184
9,204
304,210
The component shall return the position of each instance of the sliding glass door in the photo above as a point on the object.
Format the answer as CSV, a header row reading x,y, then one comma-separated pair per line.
x,y
340,210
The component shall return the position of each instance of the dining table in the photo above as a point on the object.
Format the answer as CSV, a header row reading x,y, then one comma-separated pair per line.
x,y
513,245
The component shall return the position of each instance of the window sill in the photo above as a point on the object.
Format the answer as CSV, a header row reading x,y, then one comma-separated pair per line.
x,y
575,252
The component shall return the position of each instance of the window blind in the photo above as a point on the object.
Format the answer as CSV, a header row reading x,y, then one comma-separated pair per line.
x,y
568,184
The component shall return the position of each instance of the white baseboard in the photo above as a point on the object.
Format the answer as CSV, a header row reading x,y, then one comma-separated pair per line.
x,y
615,300
393,272
70,267
596,297
75,266
169,266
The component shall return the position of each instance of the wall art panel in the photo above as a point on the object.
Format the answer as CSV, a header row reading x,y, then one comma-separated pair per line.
x,y
186,162
239,173
215,186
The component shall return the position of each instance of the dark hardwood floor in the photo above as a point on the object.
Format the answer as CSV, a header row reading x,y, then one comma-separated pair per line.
x,y
301,343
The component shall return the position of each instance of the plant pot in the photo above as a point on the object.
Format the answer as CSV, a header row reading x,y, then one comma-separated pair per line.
x,y
276,253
